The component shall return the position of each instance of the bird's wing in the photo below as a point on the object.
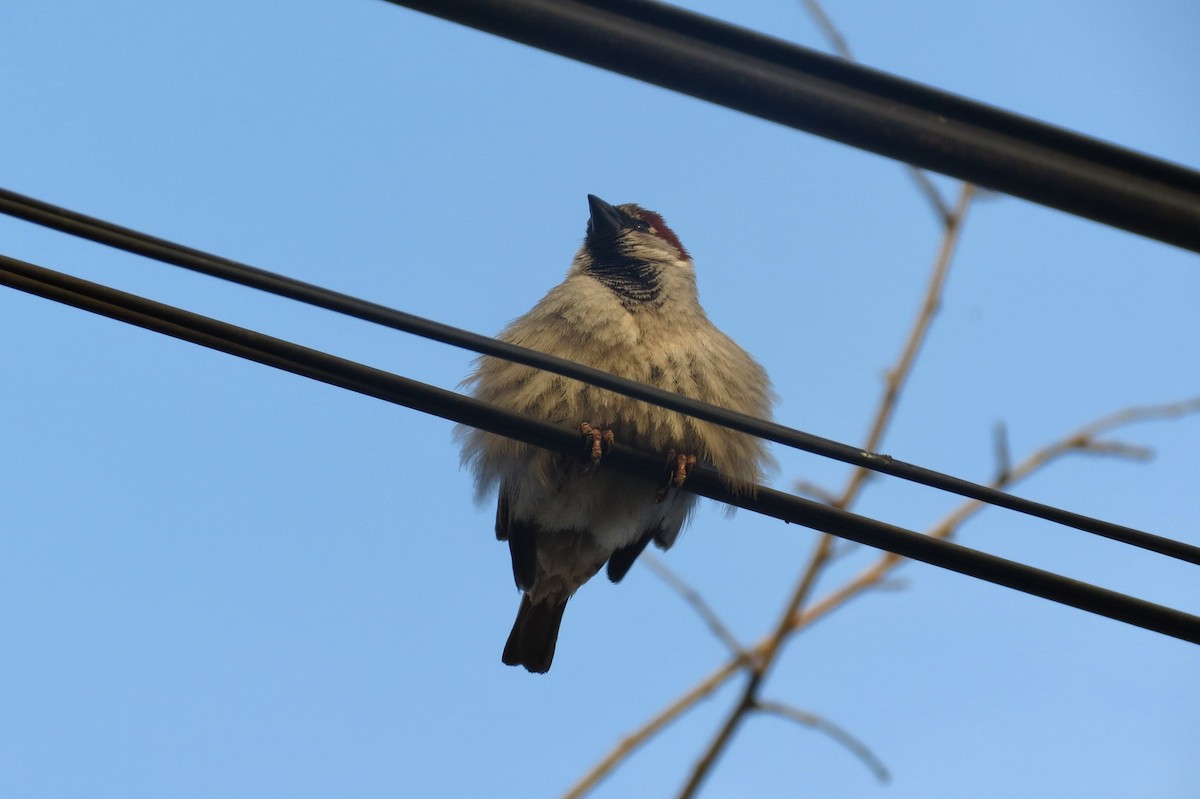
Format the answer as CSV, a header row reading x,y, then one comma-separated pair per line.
x,y
521,537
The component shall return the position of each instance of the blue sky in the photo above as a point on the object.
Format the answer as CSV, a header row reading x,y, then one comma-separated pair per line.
x,y
221,580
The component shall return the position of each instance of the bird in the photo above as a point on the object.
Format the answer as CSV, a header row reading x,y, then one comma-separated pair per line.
x,y
629,306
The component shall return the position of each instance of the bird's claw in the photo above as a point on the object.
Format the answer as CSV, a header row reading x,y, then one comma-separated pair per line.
x,y
678,468
598,441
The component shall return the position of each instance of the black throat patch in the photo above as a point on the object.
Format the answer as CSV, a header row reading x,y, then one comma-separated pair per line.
x,y
634,281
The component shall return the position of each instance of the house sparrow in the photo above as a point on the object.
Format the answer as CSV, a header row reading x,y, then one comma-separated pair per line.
x,y
627,306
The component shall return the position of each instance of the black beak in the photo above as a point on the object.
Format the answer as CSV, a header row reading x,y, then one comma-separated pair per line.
x,y
605,220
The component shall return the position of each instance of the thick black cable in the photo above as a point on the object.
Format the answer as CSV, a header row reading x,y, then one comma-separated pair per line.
x,y
393,388
831,97
132,241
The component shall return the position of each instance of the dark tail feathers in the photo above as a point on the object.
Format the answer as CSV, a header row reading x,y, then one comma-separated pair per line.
x,y
534,634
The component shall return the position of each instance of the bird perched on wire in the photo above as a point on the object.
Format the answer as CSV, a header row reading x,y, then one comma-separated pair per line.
x,y
628,306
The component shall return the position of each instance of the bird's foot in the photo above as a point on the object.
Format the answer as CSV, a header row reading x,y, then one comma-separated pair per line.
x,y
678,468
598,441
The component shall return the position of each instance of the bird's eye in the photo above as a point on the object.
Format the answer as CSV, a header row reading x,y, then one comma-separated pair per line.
x,y
640,226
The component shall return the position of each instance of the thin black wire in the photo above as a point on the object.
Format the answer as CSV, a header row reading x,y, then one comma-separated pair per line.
x,y
831,97
393,388
97,230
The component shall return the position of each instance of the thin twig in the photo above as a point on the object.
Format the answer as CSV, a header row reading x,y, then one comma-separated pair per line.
x,y
1003,456
814,491
698,603
892,584
856,747
830,31
1085,438
931,193
1143,413
1119,449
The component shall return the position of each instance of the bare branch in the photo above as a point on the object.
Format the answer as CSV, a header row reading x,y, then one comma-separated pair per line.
x,y
856,747
758,671
1081,440
896,379
897,376
872,577
698,603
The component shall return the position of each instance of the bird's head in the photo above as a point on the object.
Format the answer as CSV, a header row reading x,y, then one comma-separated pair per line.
x,y
632,252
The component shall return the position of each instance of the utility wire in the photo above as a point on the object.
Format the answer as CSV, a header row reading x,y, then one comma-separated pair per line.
x,y
393,388
831,97
97,230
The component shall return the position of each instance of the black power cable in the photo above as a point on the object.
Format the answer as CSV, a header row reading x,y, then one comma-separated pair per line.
x,y
831,97
465,410
97,230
